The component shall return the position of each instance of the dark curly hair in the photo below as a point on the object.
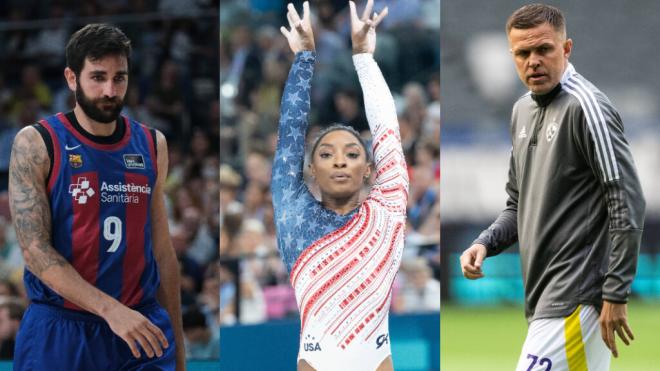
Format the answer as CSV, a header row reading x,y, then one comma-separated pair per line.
x,y
96,41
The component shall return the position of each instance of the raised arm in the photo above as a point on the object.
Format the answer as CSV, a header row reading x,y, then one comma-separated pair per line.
x,y
31,215
391,170
287,178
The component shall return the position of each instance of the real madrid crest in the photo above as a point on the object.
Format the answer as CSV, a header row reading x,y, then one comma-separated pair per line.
x,y
551,131
75,160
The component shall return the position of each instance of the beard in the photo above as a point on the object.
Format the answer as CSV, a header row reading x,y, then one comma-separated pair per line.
x,y
92,109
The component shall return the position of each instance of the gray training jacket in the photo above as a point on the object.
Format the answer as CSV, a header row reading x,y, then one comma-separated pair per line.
x,y
575,202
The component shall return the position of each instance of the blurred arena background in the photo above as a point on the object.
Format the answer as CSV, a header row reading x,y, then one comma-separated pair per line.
x,y
483,325
173,87
258,309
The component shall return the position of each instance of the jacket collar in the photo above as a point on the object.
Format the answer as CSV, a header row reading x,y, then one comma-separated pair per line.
x,y
545,99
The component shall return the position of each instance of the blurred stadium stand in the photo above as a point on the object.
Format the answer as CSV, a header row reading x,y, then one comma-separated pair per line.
x,y
174,84
613,48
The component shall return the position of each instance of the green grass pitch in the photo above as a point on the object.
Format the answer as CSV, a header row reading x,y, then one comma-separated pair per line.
x,y
490,338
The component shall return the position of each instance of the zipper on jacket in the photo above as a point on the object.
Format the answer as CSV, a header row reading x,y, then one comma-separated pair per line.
x,y
537,127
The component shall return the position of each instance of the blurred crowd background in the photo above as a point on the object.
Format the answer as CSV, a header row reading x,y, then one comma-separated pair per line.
x,y
254,64
173,86
611,48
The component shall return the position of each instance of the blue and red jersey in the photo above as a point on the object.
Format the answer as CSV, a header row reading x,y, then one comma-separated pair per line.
x,y
100,197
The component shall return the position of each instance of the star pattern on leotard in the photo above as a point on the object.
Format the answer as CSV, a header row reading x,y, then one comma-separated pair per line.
x,y
277,175
295,135
285,116
300,219
303,82
282,219
288,239
288,193
286,153
293,98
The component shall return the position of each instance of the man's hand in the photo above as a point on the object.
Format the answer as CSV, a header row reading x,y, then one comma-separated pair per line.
x,y
363,30
614,318
471,261
299,35
133,327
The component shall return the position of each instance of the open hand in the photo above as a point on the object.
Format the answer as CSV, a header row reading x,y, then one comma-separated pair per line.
x,y
363,30
471,261
134,329
299,35
614,320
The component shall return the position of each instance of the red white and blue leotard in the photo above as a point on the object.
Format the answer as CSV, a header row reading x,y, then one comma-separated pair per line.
x,y
342,267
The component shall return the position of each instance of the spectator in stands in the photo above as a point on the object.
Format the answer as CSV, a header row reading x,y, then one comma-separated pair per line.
x,y
201,246
202,342
254,200
15,41
191,272
253,303
166,99
5,95
415,104
423,195
8,131
32,87
228,294
11,259
46,44
266,96
245,70
232,225
8,289
250,239
134,108
420,291
257,168
11,313
349,111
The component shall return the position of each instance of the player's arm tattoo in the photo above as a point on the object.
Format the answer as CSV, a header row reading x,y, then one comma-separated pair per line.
x,y
28,201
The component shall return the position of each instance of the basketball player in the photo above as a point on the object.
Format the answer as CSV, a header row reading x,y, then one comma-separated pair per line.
x,y
86,197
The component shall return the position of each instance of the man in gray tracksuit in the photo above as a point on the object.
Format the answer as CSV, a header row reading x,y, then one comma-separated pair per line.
x,y
575,204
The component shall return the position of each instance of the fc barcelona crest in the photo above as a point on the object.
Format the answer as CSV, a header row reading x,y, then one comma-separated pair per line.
x,y
75,161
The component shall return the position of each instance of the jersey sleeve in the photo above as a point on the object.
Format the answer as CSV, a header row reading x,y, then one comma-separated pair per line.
x,y
390,166
504,230
287,174
600,136
287,183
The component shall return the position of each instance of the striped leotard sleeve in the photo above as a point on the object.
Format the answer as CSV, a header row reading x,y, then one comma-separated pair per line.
x,y
391,184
